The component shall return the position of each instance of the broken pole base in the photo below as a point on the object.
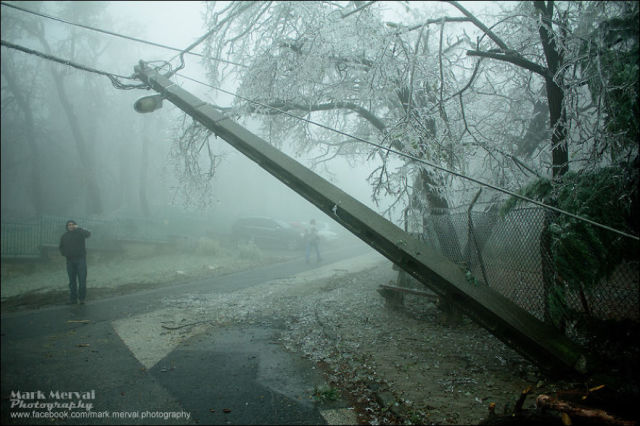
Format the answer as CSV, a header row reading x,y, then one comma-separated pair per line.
x,y
392,299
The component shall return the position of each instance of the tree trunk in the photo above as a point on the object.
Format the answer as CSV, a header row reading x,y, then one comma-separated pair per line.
x,y
557,115
94,201
555,94
559,153
125,172
438,208
446,235
35,183
144,166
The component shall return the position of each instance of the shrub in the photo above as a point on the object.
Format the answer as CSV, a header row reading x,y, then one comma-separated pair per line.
x,y
249,250
208,247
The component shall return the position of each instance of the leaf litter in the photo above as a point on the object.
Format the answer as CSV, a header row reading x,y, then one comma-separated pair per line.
x,y
391,366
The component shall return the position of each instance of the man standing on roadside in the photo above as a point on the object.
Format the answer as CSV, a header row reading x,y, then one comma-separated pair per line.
x,y
311,239
72,246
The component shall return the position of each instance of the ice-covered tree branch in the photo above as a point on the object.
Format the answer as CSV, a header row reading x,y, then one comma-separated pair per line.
x,y
279,106
513,59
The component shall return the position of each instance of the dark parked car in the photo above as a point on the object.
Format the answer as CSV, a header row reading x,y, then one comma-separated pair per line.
x,y
267,232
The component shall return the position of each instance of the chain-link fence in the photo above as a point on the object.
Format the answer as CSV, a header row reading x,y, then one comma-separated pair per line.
x,y
505,253
20,239
26,238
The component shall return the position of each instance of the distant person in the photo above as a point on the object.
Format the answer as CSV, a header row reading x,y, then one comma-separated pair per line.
x,y
312,238
72,246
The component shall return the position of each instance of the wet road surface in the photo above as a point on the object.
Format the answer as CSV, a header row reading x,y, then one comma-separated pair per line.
x,y
237,375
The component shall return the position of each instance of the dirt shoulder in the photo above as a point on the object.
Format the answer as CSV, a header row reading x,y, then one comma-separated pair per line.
x,y
392,366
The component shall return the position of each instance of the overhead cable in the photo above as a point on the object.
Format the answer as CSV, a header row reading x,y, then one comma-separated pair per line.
x,y
113,77
138,40
116,83
194,44
423,161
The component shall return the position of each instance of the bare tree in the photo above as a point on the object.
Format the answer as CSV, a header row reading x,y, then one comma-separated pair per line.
x,y
573,48
22,97
348,69
94,205
194,163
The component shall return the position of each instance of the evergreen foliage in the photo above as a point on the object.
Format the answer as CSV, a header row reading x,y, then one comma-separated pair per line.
x,y
584,254
614,47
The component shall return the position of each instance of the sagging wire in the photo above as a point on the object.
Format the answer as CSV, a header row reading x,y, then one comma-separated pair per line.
x,y
197,42
114,78
111,33
118,85
422,161
187,50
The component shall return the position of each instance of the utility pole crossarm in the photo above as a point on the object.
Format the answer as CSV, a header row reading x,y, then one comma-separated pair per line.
x,y
513,325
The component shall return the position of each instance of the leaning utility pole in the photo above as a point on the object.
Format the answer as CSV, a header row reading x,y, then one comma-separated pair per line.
x,y
513,325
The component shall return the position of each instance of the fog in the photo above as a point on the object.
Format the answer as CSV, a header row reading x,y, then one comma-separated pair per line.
x,y
254,192
437,115
111,139
73,146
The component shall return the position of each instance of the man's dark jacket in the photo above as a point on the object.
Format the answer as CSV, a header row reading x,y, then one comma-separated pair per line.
x,y
72,243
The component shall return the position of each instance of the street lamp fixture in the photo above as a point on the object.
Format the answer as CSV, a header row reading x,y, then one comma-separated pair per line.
x,y
148,104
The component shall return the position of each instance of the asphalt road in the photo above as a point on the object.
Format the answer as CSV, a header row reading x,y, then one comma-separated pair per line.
x,y
55,365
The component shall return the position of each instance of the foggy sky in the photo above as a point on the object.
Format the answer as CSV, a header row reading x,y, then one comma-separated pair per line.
x,y
240,187
178,24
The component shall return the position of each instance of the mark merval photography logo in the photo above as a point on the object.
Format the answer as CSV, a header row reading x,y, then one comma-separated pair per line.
x,y
53,400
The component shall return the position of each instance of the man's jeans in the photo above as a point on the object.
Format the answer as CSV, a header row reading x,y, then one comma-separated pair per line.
x,y
312,245
77,270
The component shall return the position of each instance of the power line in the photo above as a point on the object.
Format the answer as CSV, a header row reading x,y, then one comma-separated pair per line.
x,y
114,80
111,33
113,77
197,42
116,83
188,49
420,160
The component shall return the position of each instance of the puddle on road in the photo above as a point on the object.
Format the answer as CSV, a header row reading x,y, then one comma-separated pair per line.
x,y
146,338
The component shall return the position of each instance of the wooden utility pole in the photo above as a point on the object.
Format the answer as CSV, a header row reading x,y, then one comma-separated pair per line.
x,y
534,339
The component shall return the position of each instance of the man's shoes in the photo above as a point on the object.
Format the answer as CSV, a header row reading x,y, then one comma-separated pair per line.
x,y
72,302
82,302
